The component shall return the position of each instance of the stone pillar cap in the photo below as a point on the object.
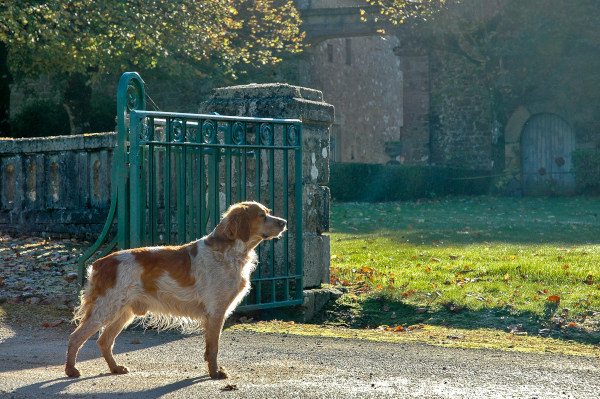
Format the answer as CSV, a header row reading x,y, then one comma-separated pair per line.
x,y
266,91
272,100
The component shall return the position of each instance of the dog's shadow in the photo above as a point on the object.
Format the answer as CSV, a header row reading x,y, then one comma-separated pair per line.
x,y
59,385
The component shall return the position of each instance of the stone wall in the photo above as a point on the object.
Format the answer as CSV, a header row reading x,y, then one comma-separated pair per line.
x,y
56,186
416,89
362,78
461,126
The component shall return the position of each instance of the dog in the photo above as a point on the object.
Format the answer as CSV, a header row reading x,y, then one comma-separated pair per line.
x,y
202,281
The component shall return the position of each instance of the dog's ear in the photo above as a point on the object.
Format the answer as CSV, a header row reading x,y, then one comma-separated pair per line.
x,y
237,224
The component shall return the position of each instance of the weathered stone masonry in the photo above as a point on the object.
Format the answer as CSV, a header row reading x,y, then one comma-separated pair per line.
x,y
286,101
57,186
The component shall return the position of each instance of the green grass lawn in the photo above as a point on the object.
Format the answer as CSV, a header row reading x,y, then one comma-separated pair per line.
x,y
475,262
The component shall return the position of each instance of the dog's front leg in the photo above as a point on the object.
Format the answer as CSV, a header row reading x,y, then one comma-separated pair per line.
x,y
212,333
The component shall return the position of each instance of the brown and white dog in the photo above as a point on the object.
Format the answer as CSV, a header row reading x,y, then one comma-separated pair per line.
x,y
202,281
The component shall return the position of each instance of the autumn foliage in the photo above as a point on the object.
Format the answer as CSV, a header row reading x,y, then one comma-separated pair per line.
x,y
178,37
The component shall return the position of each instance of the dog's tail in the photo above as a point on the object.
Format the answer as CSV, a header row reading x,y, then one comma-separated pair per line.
x,y
83,309
101,276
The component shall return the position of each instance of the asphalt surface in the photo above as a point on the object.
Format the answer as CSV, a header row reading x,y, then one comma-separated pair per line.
x,y
171,365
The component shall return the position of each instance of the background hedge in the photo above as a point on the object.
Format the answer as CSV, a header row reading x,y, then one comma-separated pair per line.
x,y
586,165
378,183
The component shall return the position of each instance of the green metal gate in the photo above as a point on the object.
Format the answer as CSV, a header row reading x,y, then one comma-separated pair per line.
x,y
174,174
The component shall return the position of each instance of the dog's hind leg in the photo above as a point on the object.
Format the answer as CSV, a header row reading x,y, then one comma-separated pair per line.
x,y
212,333
85,330
106,341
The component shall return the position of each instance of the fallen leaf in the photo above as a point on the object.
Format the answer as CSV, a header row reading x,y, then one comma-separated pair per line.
x,y
230,388
453,307
54,323
554,298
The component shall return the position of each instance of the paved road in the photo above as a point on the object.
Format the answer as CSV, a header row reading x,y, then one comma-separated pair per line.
x,y
170,365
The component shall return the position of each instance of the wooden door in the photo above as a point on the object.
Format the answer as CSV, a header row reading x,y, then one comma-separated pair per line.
x,y
547,142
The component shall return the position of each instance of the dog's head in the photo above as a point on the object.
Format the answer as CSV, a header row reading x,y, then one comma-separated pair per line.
x,y
249,221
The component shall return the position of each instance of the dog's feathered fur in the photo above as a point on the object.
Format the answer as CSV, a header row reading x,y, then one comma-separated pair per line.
x,y
193,286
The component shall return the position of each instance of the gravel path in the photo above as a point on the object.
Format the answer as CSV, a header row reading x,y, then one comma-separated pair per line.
x,y
170,365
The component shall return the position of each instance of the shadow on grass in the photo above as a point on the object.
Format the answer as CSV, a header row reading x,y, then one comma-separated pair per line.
x,y
371,312
552,235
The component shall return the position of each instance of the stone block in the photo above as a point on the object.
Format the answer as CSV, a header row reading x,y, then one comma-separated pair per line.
x,y
315,154
308,306
316,208
12,182
317,256
315,300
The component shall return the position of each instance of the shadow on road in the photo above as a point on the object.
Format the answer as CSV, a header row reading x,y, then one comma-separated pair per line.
x,y
59,385
29,347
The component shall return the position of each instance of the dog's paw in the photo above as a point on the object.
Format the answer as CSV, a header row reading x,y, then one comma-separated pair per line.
x,y
219,374
72,372
120,370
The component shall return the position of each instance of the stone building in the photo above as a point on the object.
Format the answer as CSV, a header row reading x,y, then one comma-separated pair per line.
x,y
384,90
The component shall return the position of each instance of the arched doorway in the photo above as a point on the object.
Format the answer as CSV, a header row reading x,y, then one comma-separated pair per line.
x,y
547,142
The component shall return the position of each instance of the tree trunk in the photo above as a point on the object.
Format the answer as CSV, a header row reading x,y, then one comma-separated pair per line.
x,y
78,102
5,81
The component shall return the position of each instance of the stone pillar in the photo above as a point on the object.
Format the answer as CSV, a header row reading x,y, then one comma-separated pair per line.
x,y
286,101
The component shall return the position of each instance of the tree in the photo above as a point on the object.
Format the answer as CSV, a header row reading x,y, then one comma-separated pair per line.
x,y
83,39
518,47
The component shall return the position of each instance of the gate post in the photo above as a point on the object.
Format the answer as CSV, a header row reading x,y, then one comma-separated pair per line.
x,y
293,102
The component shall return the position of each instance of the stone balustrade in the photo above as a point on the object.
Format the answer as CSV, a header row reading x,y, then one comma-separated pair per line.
x,y
56,186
